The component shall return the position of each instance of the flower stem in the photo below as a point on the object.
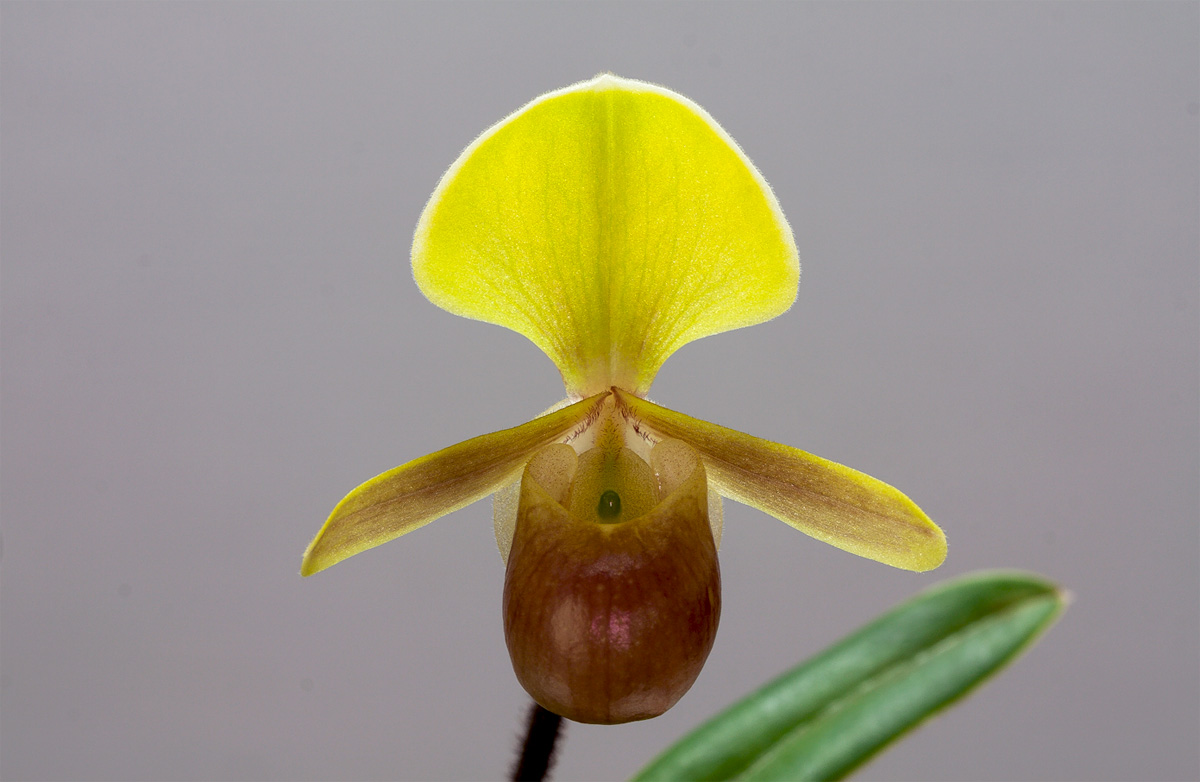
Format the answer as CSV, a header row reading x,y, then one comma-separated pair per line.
x,y
537,753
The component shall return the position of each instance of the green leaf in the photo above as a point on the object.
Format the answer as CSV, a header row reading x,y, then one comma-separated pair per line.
x,y
831,714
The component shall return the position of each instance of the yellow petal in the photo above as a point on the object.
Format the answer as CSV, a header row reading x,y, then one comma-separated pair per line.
x,y
414,494
836,504
610,222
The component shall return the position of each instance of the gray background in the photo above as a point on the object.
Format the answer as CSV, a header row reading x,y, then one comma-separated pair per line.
x,y
210,334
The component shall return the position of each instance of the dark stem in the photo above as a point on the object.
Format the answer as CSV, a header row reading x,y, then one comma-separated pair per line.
x,y
537,754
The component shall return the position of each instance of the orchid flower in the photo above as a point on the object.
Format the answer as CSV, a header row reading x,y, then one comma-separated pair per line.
x,y
612,222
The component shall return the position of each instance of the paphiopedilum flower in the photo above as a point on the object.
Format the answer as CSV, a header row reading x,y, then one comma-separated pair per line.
x,y
612,222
